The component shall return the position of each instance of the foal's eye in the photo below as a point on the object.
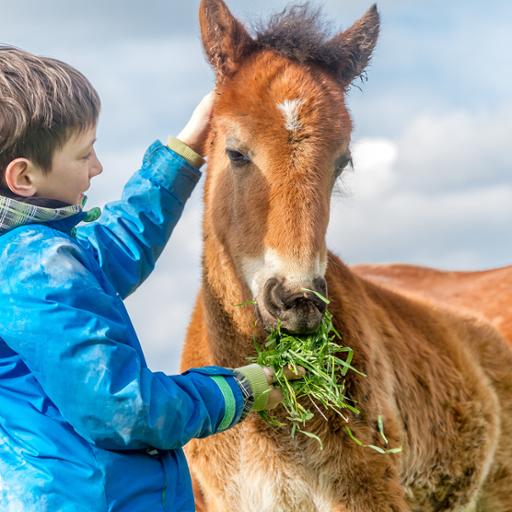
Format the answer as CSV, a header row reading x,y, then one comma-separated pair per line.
x,y
237,158
341,163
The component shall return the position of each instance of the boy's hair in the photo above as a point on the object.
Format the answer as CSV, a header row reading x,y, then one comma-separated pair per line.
x,y
43,102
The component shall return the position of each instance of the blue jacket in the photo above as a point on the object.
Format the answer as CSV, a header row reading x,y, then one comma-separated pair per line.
x,y
84,424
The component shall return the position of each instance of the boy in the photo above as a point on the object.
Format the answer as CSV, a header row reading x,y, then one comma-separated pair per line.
x,y
84,424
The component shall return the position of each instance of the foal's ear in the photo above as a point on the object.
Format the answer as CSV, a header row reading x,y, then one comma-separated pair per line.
x,y
225,39
355,45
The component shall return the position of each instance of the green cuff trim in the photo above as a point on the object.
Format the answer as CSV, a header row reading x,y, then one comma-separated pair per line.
x,y
260,388
229,401
192,157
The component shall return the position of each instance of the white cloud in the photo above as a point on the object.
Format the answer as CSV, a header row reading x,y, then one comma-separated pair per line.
x,y
372,175
452,150
439,195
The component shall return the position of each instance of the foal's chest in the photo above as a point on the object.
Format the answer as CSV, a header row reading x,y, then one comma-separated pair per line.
x,y
274,477
268,489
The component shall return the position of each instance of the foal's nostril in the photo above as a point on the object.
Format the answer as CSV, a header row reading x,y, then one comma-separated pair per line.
x,y
303,301
320,285
299,311
277,299
272,294
320,304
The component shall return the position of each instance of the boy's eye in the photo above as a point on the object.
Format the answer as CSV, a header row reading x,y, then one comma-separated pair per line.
x,y
86,157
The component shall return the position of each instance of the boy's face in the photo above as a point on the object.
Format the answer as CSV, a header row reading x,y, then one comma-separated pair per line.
x,y
73,167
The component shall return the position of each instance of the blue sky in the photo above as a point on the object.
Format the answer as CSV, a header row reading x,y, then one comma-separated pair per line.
x,y
431,144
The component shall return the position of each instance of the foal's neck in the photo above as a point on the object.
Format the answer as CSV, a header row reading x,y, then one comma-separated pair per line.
x,y
229,316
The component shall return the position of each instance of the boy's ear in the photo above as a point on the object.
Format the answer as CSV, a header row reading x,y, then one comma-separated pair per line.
x,y
20,177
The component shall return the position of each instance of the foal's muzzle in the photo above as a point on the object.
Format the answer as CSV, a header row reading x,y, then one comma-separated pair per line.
x,y
298,310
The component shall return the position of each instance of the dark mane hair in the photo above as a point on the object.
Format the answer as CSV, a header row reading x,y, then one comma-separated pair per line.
x,y
299,32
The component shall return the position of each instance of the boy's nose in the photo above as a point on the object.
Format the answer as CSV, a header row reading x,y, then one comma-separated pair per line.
x,y
97,168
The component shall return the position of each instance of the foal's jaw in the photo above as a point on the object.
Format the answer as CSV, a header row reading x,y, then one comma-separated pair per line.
x,y
284,291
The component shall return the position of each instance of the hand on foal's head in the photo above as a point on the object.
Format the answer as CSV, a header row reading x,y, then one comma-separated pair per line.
x,y
196,130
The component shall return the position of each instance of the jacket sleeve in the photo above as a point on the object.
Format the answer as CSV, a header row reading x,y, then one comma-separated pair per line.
x,y
79,344
131,233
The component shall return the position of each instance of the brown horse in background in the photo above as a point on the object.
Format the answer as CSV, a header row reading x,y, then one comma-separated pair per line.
x,y
486,293
441,380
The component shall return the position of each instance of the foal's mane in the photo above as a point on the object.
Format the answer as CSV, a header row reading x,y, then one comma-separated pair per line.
x,y
300,33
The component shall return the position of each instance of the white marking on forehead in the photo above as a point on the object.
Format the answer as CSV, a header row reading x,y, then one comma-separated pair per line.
x,y
290,110
258,270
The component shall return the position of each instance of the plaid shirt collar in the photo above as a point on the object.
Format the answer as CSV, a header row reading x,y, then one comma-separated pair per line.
x,y
16,212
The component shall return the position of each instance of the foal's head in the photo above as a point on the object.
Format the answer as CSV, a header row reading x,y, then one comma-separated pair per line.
x,y
280,138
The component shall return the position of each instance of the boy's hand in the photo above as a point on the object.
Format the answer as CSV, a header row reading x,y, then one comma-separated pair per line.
x,y
195,131
275,396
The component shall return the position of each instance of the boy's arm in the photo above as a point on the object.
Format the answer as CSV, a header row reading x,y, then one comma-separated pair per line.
x,y
74,337
131,233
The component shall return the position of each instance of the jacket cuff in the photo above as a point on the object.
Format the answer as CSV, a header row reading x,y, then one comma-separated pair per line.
x,y
191,156
233,398
255,377
165,168
229,402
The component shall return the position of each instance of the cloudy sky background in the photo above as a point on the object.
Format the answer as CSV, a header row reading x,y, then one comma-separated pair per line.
x,y
431,145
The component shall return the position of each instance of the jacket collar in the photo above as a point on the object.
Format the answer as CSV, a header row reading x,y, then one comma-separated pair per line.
x,y
16,211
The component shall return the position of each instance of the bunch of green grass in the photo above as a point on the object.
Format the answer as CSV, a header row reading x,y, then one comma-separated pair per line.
x,y
326,362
